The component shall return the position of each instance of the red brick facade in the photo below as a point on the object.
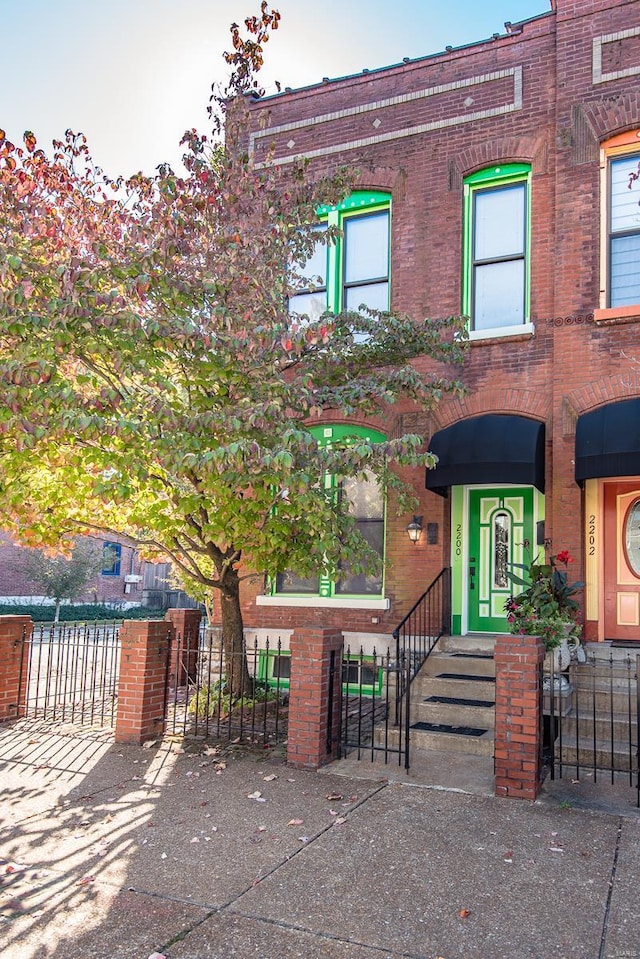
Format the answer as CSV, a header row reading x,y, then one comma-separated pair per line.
x,y
518,729
15,582
142,685
14,665
550,93
314,697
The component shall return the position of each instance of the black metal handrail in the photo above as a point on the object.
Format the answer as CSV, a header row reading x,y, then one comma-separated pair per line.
x,y
428,619
416,636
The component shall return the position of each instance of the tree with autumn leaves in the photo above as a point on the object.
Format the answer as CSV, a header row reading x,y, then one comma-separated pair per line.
x,y
153,384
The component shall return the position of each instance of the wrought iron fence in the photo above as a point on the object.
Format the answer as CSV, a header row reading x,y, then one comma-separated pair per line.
x,y
243,697
375,708
70,673
592,718
376,688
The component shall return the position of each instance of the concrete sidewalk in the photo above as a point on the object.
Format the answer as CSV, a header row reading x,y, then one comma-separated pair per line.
x,y
119,852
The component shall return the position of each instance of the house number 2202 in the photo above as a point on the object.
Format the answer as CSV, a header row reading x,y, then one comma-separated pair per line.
x,y
591,535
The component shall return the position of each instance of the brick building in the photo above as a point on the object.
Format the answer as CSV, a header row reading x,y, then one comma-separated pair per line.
x,y
494,182
122,577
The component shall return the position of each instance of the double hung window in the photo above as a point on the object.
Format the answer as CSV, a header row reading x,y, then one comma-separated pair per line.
x,y
496,248
365,502
623,231
353,270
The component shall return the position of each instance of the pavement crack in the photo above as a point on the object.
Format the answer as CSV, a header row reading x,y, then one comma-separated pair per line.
x,y
612,878
329,937
227,907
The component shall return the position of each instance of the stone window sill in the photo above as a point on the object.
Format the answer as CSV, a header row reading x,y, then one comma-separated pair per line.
x,y
526,330
613,315
321,602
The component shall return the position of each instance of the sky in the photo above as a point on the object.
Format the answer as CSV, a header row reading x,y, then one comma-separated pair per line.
x,y
133,75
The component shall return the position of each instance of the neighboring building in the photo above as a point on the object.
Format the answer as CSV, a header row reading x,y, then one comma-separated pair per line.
x,y
494,181
124,579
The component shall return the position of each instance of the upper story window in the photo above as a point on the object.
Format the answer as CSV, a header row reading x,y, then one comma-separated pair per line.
x,y
111,559
622,157
353,271
496,249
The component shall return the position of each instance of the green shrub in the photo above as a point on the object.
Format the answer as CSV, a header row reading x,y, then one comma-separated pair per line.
x,y
214,701
82,613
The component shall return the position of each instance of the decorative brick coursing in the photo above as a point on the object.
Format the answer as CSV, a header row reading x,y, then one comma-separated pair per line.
x,y
142,682
518,717
15,632
183,659
314,697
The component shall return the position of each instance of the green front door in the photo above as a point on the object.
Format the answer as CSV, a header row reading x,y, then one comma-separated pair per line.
x,y
500,521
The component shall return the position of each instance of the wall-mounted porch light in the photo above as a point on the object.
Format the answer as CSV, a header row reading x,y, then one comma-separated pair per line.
x,y
414,529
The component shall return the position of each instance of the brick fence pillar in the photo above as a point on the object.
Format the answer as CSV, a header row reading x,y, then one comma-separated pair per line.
x,y
518,732
144,658
186,623
314,697
14,665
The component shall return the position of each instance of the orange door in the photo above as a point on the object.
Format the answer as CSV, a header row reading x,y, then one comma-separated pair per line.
x,y
622,560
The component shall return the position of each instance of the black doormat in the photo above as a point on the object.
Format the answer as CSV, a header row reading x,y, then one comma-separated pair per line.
x,y
452,730
473,655
626,644
454,701
468,678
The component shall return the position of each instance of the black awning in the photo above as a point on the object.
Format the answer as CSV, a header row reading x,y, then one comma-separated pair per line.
x,y
495,448
608,441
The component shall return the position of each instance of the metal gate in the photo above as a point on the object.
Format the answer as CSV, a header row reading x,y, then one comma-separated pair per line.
x,y
375,707
592,720
376,688
69,673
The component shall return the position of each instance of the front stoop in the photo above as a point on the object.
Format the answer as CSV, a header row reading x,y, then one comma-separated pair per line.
x,y
453,697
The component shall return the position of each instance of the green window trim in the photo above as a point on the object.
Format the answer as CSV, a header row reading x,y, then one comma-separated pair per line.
x,y
483,183
359,205
326,436
267,660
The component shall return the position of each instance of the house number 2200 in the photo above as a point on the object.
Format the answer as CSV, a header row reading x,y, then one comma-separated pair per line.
x,y
459,540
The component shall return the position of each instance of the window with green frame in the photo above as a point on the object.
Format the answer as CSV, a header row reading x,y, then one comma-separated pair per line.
x,y
355,269
360,674
496,258
366,503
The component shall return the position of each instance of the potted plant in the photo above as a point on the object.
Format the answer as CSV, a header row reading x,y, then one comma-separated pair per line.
x,y
546,606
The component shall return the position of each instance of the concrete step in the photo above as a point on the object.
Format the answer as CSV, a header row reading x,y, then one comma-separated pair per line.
x,y
461,663
605,759
604,728
461,687
471,643
453,713
449,742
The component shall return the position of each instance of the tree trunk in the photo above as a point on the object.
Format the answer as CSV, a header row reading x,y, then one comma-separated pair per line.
x,y
56,616
238,680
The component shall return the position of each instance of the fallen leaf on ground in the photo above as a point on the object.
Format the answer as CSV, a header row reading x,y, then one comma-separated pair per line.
x,y
85,880
149,743
157,955
269,779
339,821
295,822
463,913
257,795
334,796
